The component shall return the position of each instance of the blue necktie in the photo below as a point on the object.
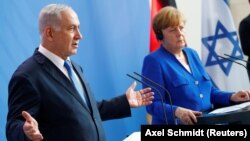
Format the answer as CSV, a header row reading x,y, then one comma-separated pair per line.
x,y
76,81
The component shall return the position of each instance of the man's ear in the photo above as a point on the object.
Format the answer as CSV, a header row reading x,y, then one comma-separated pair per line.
x,y
49,33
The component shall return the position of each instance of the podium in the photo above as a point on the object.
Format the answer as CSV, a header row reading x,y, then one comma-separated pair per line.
x,y
135,136
237,117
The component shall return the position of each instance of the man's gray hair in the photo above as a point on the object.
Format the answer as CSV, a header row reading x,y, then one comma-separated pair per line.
x,y
50,16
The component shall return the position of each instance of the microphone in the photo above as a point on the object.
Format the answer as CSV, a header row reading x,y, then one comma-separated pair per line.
x,y
232,60
167,92
164,111
237,58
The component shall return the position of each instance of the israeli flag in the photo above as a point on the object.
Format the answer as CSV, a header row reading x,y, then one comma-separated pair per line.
x,y
219,37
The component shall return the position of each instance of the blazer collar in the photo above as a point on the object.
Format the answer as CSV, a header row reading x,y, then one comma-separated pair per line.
x,y
58,76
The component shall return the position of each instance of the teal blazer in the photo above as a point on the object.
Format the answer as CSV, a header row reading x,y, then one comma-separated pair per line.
x,y
193,90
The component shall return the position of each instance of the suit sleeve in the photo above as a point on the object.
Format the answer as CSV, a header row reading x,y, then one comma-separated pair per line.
x,y
22,96
244,33
115,108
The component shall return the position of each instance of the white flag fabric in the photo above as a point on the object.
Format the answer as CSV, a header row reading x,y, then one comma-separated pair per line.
x,y
219,37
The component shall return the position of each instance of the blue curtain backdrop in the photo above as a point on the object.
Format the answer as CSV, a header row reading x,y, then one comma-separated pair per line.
x,y
115,40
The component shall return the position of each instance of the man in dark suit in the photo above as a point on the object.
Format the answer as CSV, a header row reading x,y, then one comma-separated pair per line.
x,y
48,96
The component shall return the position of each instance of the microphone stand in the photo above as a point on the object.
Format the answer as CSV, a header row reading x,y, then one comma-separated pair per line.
x,y
237,58
233,60
169,97
164,111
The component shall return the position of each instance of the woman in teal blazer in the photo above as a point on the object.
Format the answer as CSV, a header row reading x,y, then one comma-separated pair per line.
x,y
178,68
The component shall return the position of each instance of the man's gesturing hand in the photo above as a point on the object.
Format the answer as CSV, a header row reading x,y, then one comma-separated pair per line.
x,y
30,128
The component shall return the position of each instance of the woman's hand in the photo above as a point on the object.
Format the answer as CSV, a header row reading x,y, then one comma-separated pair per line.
x,y
240,96
187,116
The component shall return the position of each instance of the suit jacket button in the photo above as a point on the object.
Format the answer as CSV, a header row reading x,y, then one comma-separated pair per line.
x,y
201,95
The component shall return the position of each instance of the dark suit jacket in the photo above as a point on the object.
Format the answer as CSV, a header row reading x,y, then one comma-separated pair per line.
x,y
41,89
244,33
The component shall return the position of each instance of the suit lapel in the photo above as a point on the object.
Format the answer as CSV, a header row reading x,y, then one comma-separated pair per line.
x,y
79,72
58,76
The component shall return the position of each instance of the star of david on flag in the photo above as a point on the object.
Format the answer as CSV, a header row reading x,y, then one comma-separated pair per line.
x,y
210,43
219,37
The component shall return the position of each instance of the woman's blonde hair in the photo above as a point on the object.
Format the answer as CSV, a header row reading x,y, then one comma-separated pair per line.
x,y
167,17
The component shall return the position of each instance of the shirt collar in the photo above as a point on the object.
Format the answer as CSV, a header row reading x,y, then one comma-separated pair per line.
x,y
59,62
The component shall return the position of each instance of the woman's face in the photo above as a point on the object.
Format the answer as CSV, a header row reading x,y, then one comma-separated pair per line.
x,y
174,38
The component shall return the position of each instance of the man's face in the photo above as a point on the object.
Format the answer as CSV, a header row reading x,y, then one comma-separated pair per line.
x,y
67,38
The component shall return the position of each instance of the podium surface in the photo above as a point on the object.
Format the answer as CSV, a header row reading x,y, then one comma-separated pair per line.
x,y
240,116
135,136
